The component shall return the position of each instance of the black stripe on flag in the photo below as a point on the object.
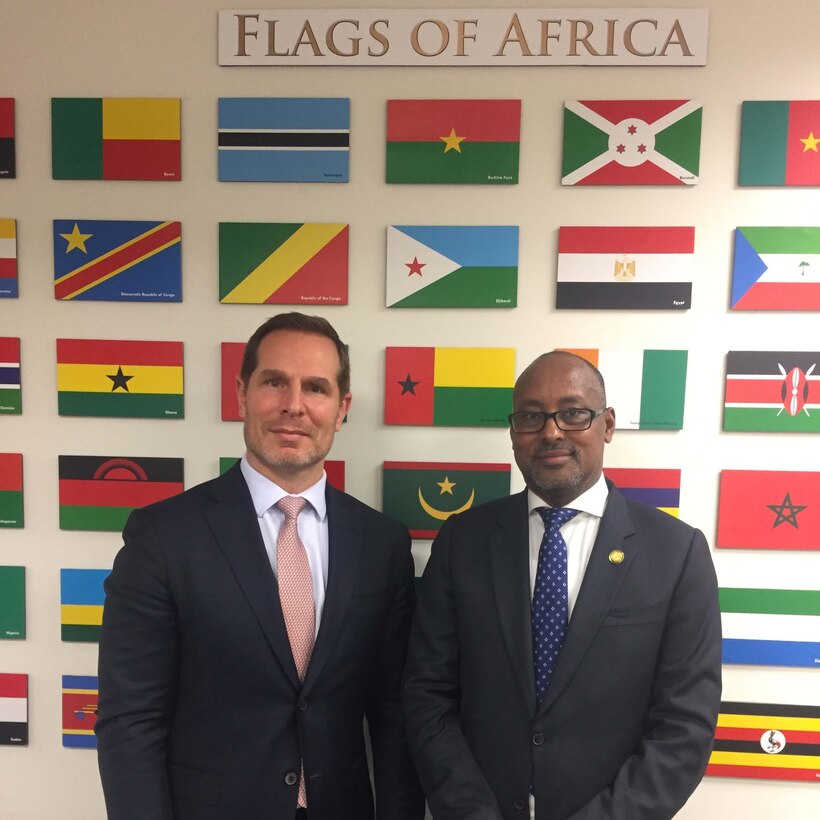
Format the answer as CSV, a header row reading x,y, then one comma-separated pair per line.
x,y
8,166
13,734
157,469
731,707
322,139
765,363
620,295
753,747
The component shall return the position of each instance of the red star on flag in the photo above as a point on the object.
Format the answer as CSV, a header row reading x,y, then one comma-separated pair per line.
x,y
415,266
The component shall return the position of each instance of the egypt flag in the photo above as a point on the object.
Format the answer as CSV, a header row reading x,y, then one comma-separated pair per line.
x,y
449,386
115,138
13,709
452,266
82,597
11,399
656,487
280,263
453,141
11,490
772,392
631,142
124,379
8,164
80,703
8,259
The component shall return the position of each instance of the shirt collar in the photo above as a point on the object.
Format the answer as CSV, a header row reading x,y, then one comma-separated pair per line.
x,y
591,501
265,493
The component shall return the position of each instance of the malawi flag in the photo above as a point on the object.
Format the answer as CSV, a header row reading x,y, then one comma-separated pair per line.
x,y
772,392
767,740
631,142
11,398
449,386
453,141
80,703
8,165
115,138
8,259
780,143
656,487
279,263
13,709
120,378
632,268
82,597
13,603
11,490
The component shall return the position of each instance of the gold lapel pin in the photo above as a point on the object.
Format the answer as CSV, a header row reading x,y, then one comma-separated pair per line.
x,y
616,557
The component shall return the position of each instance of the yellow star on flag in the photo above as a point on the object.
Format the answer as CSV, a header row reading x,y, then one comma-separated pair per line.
x,y
446,486
452,141
810,143
76,239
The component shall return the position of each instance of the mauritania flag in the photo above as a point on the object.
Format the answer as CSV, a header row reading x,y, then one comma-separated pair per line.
x,y
13,709
81,603
653,486
8,259
765,509
8,165
424,494
771,627
128,379
80,702
776,269
12,603
281,263
453,141
647,388
772,392
11,490
617,268
452,266
11,398
449,386
780,143
284,139
99,492
631,142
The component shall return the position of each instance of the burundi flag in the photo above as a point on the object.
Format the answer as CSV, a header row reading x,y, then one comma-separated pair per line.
x,y
11,396
776,269
8,165
13,709
13,603
632,268
656,487
449,386
80,702
647,388
283,139
8,259
279,263
115,138
631,142
453,141
780,143
452,266
124,379
772,392
11,490
82,597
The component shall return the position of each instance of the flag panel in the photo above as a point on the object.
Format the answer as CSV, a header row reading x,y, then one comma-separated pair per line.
x,y
13,709
657,487
11,490
408,385
80,705
8,160
9,286
11,394
13,603
231,353
82,598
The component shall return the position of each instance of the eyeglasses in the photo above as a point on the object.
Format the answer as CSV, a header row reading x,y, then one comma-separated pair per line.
x,y
569,419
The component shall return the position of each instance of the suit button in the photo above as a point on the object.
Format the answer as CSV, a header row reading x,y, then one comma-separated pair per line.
x,y
538,739
291,778
302,705
519,804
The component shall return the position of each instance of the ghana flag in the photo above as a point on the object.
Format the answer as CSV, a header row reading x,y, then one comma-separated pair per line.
x,y
8,259
8,164
449,386
11,398
82,598
128,379
11,490
453,141
13,709
656,487
80,702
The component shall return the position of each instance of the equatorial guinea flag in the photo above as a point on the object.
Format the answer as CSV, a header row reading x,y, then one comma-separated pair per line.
x,y
656,487
80,703
11,399
11,490
8,259
13,709
8,163
82,598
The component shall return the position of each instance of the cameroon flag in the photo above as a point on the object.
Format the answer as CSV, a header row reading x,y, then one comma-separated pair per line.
x,y
11,490
80,703
82,597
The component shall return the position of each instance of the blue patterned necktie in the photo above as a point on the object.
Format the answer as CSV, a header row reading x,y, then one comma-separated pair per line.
x,y
550,607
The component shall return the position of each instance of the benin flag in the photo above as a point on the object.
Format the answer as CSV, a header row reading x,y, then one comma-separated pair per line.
x,y
80,702
11,398
13,709
8,259
453,141
11,490
13,603
631,142
780,143
655,487
767,740
119,378
82,597
8,165
449,386
115,138
280,263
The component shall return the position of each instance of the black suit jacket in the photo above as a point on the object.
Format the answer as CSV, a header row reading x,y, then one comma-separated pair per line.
x,y
201,713
625,729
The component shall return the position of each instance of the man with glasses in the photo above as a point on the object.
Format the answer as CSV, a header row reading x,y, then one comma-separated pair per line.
x,y
565,659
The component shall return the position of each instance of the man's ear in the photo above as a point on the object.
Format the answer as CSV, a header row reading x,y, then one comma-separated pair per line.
x,y
240,396
344,406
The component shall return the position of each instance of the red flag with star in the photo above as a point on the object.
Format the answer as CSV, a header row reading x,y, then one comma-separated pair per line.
x,y
409,388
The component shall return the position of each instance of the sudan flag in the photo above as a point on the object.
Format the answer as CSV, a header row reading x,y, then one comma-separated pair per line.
x,y
13,709
656,487
8,259
11,400
80,704
8,164
82,597
11,490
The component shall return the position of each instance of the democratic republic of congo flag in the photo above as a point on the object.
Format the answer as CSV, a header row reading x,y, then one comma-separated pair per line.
x,y
11,398
8,259
82,598
653,486
8,165
130,379
80,702
11,490
13,709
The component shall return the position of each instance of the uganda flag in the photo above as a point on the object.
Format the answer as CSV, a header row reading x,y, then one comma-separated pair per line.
x,y
11,395
767,740
80,703
124,379
453,141
13,603
8,164
8,259
13,709
449,386
82,598
423,495
656,487
11,490
631,142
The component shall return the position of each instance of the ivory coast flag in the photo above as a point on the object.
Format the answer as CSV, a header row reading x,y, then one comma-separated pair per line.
x,y
8,259
11,490
82,597
657,487
80,703
128,379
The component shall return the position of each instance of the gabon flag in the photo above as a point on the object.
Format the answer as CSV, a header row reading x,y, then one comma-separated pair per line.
x,y
80,704
82,598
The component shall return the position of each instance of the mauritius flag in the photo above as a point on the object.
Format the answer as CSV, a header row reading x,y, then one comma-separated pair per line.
x,y
653,486
8,166
80,703
11,490
453,141
8,259
82,597
11,401
13,709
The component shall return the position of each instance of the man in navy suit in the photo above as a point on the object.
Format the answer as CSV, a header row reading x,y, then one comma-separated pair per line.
x,y
245,641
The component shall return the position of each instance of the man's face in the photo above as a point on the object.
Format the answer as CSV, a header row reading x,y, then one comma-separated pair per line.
x,y
558,465
292,407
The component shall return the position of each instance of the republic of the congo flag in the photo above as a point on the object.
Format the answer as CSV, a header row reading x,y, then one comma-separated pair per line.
x,y
127,379
452,266
115,138
631,142
772,392
117,260
12,603
656,487
776,269
771,741
11,398
80,701
283,139
13,709
279,263
99,492
81,603
8,165
11,490
453,141
780,143
449,386
8,259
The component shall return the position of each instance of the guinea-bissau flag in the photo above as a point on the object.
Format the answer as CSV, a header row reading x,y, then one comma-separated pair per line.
x,y
13,709
631,142
334,469
100,492
8,164
11,398
11,490
453,141
12,603
653,486
424,494
115,138
772,391
8,259
780,143
449,386
82,597
80,704
767,740
128,379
